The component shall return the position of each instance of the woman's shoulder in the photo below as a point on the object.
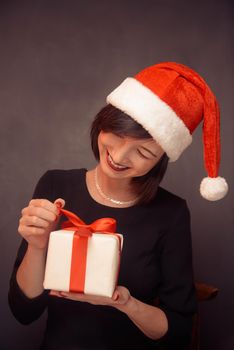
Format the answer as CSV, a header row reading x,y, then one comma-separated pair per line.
x,y
163,193
59,183
169,200
66,172
62,174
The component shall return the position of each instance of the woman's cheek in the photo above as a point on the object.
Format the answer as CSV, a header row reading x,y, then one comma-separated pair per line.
x,y
144,166
141,168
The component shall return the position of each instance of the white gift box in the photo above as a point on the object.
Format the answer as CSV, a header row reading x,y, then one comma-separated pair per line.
x,y
102,262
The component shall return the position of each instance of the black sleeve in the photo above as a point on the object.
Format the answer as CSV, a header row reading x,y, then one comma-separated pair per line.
x,y
177,297
27,310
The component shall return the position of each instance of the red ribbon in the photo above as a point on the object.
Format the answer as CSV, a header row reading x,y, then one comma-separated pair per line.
x,y
80,244
105,225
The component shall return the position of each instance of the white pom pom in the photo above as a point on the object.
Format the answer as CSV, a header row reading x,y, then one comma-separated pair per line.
x,y
213,188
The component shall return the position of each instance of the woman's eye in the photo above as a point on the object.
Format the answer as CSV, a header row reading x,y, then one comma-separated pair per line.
x,y
142,155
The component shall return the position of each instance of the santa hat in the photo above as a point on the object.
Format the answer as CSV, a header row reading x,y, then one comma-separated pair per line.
x,y
170,100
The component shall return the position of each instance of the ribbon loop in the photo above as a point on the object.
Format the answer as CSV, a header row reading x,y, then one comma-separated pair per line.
x,y
105,225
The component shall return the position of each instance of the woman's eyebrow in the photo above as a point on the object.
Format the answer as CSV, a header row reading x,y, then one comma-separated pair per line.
x,y
149,151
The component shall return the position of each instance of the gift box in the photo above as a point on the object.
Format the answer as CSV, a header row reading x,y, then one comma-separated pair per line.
x,y
84,258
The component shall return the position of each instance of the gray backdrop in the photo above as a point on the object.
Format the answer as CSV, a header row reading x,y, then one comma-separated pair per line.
x,y
58,61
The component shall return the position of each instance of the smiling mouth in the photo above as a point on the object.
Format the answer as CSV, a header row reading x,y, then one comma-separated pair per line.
x,y
113,165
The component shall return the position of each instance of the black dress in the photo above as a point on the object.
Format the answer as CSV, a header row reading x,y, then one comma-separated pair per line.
x,y
156,262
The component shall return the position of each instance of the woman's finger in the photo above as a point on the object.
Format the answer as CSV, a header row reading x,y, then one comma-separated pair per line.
x,y
45,204
55,293
41,213
34,220
30,230
115,296
92,299
59,202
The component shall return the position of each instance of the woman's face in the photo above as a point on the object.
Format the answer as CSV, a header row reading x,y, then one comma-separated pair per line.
x,y
126,157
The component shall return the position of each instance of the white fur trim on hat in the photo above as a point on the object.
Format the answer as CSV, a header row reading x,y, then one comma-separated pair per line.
x,y
158,118
213,188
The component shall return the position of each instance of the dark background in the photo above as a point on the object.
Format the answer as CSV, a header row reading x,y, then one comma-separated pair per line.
x,y
58,62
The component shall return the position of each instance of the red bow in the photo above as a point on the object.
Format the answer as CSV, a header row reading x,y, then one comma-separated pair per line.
x,y
105,225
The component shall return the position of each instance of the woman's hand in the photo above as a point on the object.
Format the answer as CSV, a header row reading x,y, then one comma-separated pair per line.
x,y
38,219
119,298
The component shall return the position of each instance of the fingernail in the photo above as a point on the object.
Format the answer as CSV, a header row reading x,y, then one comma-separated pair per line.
x,y
59,206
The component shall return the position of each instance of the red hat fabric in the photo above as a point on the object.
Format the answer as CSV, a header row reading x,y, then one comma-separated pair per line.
x,y
170,100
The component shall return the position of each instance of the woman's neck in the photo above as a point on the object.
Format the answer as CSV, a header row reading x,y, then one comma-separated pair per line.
x,y
116,187
108,191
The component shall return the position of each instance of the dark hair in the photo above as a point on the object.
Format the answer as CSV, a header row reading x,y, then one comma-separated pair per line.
x,y
111,119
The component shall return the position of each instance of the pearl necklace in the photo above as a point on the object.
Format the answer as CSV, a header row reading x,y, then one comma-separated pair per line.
x,y
103,195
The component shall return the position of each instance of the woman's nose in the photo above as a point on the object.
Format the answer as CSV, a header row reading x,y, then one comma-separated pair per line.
x,y
120,155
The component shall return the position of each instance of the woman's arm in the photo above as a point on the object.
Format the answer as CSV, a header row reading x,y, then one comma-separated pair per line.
x,y
30,273
27,298
38,219
25,304
151,320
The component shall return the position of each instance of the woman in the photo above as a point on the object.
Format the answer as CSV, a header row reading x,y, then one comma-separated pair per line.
x,y
148,119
